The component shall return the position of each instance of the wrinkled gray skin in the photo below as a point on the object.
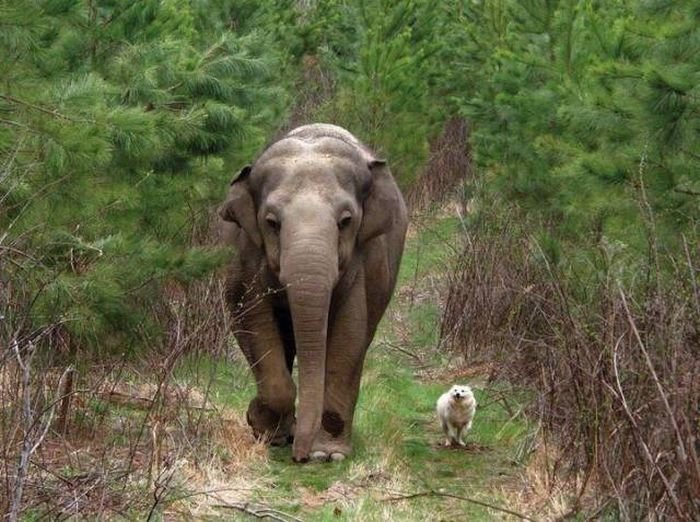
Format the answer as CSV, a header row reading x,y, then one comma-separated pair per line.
x,y
319,225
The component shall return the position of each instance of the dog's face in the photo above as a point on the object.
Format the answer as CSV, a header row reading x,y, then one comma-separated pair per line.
x,y
459,392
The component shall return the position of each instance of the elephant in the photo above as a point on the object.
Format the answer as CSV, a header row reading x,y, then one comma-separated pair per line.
x,y
318,225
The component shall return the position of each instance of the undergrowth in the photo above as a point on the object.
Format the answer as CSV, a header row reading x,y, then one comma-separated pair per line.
x,y
399,469
606,340
165,436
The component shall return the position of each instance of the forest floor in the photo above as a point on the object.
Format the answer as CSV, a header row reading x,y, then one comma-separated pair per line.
x,y
174,445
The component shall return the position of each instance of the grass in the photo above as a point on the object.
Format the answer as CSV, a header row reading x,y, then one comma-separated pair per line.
x,y
398,451
190,452
429,246
397,439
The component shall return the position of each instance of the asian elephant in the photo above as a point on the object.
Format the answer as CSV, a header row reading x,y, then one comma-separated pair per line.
x,y
318,226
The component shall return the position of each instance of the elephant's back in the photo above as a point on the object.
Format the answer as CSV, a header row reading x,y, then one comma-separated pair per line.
x,y
322,139
318,131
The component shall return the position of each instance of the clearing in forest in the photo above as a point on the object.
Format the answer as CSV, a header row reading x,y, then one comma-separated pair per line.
x,y
399,469
170,441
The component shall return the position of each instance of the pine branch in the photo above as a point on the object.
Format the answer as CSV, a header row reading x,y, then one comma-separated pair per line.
x,y
54,113
16,124
687,192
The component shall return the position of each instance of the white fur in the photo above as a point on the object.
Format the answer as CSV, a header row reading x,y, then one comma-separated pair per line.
x,y
455,409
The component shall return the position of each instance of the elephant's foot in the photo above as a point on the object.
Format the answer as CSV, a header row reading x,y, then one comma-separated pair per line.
x,y
273,427
323,456
328,448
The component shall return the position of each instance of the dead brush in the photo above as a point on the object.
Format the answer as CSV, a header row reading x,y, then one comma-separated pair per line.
x,y
448,165
123,436
494,296
613,367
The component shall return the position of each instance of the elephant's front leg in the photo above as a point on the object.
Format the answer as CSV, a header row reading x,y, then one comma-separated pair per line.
x,y
271,412
347,345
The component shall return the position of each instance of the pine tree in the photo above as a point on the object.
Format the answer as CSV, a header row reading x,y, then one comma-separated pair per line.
x,y
121,124
383,55
570,101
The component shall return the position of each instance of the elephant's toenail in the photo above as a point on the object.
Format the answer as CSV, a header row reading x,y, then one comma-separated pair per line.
x,y
319,455
302,460
337,457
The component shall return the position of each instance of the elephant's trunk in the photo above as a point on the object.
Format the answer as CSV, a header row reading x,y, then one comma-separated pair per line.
x,y
309,269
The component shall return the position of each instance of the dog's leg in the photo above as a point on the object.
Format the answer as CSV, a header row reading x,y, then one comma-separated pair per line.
x,y
450,436
446,431
460,436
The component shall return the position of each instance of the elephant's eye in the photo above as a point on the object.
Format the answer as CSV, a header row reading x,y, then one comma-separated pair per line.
x,y
344,221
272,222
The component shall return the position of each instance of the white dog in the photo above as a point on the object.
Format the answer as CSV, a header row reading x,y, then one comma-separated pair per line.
x,y
455,410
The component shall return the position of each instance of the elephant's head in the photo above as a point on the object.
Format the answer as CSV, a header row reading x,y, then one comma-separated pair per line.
x,y
310,203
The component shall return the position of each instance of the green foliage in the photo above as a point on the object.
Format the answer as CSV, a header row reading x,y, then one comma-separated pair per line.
x,y
120,126
583,110
383,55
121,122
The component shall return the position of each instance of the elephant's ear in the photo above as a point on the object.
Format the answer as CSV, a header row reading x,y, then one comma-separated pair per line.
x,y
239,207
381,202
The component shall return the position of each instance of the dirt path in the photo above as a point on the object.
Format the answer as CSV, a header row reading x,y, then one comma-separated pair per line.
x,y
400,470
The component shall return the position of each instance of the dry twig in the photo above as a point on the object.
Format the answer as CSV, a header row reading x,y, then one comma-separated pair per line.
x,y
432,493
258,511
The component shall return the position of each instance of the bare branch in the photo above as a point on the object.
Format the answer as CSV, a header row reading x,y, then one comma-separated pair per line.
x,y
662,393
258,511
431,493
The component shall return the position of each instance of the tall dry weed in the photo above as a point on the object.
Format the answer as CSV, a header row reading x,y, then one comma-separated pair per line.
x,y
448,165
613,365
111,435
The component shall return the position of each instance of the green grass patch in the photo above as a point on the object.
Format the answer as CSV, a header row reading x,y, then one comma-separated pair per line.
x,y
398,448
429,250
398,443
424,318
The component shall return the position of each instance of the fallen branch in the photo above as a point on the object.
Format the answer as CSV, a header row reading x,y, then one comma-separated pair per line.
x,y
394,346
136,401
438,494
499,397
258,511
